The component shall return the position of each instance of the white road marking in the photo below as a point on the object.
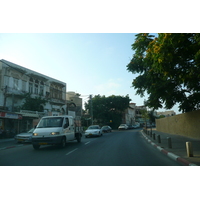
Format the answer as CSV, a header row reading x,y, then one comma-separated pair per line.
x,y
87,143
71,152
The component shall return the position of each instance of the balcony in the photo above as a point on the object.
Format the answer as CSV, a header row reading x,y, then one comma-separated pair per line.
x,y
13,91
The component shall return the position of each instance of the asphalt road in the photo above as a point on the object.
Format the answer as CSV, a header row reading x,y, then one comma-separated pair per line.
x,y
118,148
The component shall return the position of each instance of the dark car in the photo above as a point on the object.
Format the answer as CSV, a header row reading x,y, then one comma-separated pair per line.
x,y
106,129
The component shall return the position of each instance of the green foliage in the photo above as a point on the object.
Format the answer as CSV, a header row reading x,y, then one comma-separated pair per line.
x,y
168,68
33,104
145,114
108,110
152,117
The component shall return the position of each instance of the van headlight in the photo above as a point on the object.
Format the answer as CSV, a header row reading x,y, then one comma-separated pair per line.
x,y
54,133
35,134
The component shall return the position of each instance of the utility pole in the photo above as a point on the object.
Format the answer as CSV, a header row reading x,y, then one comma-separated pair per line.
x,y
91,109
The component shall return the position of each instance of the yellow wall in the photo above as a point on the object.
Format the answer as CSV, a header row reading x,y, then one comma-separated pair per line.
x,y
187,124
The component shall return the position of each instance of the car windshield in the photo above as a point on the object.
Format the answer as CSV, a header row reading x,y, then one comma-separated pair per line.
x,y
93,127
50,122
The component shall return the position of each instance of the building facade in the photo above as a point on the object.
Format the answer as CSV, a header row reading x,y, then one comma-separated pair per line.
x,y
138,114
74,103
15,81
166,113
129,115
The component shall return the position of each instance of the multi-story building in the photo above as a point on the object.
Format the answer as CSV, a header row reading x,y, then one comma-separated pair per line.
x,y
15,81
138,114
74,103
166,113
129,115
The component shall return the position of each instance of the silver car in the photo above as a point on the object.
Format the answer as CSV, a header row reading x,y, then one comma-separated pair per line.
x,y
93,130
25,137
123,126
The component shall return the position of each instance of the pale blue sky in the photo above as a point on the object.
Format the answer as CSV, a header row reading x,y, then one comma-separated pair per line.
x,y
92,63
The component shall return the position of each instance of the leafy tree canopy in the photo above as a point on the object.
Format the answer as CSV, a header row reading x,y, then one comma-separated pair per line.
x,y
168,68
108,110
33,104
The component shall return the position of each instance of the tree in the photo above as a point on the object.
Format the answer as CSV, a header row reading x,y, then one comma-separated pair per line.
x,y
108,110
168,68
33,104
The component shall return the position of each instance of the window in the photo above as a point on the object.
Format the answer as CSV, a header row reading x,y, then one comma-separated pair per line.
x,y
6,81
31,86
42,88
24,86
15,84
66,123
36,86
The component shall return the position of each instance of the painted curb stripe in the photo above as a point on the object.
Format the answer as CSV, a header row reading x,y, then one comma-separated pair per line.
x,y
183,161
164,151
169,154
159,148
172,156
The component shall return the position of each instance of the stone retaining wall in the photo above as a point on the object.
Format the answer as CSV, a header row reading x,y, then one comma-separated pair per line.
x,y
187,124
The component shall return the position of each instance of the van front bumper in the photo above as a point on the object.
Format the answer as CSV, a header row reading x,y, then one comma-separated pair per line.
x,y
46,140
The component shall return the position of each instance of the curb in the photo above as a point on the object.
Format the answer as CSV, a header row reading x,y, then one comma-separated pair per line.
x,y
169,154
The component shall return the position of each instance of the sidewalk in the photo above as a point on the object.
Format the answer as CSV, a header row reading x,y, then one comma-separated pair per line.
x,y
177,151
6,140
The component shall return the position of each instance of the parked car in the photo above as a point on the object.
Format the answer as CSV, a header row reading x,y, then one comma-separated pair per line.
x,y
130,126
136,126
93,130
106,129
149,125
25,137
123,126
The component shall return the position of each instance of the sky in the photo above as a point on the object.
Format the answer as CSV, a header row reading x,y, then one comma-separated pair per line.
x,y
89,63
86,44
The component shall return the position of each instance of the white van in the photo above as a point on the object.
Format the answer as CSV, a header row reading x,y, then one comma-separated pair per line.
x,y
56,130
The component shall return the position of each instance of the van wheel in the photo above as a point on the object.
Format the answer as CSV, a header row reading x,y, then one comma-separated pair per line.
x,y
36,147
63,142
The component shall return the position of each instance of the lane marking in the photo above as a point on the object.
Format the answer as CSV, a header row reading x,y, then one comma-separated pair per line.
x,y
87,142
71,152
10,147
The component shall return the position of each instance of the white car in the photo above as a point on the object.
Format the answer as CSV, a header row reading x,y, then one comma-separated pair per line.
x,y
93,130
123,126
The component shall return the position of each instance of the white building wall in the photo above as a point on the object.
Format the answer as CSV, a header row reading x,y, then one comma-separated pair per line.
x,y
11,73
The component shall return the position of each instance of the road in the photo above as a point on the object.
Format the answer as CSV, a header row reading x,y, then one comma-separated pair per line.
x,y
118,148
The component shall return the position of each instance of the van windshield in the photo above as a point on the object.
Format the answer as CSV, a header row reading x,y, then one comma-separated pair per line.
x,y
50,122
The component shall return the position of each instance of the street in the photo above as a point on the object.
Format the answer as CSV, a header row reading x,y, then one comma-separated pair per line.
x,y
118,148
